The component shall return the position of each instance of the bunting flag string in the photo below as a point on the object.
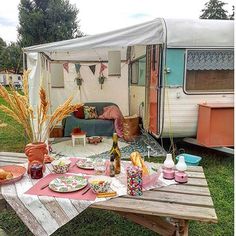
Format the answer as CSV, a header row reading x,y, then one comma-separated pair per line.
x,y
77,67
92,68
103,67
66,67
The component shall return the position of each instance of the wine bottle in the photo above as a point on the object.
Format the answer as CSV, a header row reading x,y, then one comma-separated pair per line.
x,y
116,152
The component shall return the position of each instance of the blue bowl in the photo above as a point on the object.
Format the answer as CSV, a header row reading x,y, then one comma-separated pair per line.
x,y
191,160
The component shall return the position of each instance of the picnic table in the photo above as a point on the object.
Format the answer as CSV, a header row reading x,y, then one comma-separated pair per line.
x,y
166,210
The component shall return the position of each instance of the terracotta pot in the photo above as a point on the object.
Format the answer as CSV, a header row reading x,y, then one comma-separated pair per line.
x,y
35,153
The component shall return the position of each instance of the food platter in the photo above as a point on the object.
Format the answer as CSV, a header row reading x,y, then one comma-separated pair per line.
x,y
17,172
86,164
67,184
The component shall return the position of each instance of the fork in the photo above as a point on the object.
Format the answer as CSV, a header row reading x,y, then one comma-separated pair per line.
x,y
86,190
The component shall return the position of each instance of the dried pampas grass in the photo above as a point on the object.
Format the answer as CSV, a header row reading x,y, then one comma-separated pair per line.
x,y
37,124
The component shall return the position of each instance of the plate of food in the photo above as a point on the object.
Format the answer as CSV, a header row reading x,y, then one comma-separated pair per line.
x,y
100,184
94,139
86,164
67,184
11,173
61,165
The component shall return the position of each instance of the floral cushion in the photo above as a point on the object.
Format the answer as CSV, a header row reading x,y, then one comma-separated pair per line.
x,y
90,113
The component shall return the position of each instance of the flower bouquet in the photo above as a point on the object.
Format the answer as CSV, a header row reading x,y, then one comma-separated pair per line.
x,y
37,123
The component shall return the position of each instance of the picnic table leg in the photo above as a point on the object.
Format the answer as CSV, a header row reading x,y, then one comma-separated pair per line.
x,y
154,223
182,227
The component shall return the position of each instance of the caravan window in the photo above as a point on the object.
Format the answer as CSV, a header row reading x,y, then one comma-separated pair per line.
x,y
138,71
209,71
57,76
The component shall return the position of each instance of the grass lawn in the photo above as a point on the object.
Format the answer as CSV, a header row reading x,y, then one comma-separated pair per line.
x,y
218,168
11,137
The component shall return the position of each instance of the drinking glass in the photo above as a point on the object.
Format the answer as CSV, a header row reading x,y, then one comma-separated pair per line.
x,y
100,166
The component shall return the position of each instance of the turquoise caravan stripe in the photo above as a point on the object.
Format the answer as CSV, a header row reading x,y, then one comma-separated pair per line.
x,y
175,64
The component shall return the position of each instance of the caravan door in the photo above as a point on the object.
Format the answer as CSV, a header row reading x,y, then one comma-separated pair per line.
x,y
152,92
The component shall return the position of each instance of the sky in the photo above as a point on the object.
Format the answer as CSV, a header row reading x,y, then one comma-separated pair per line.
x,y
106,15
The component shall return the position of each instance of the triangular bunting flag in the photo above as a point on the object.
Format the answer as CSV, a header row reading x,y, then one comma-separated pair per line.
x,y
103,67
77,67
66,67
92,68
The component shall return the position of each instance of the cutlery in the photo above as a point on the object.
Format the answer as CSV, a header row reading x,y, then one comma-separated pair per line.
x,y
44,186
86,190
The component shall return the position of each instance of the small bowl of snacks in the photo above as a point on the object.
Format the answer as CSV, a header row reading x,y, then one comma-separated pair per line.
x,y
100,184
61,166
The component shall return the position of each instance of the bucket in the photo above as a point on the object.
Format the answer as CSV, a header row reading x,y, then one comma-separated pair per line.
x,y
191,160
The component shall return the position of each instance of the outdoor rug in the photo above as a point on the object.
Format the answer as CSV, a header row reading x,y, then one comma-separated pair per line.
x,y
145,144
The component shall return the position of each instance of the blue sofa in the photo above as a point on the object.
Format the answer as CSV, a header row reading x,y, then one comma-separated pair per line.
x,y
93,127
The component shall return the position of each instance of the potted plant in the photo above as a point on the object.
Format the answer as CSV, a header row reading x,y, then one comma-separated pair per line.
x,y
37,123
79,81
101,79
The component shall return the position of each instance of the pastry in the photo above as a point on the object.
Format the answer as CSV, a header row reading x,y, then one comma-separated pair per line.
x,y
5,174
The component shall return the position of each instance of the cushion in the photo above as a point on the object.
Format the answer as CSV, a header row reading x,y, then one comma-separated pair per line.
x,y
79,113
90,113
99,106
111,112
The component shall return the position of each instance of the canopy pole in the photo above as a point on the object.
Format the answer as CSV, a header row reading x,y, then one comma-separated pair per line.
x,y
24,60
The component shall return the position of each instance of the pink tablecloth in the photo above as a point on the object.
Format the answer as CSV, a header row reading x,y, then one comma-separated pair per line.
x,y
36,190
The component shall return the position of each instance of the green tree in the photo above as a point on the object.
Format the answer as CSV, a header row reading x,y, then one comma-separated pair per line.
x,y
2,51
12,58
214,10
231,17
43,21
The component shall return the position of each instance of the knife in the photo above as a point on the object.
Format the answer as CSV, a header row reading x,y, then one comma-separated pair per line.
x,y
44,186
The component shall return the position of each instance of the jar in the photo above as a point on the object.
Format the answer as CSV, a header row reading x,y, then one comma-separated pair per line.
x,y
100,166
36,171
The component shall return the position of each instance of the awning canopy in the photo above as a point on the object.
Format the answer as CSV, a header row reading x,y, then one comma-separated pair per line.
x,y
175,33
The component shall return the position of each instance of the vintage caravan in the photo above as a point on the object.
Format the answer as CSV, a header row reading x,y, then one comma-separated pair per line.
x,y
9,77
164,69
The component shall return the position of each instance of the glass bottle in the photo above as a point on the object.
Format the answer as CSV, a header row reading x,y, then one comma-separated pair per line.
x,y
112,167
116,152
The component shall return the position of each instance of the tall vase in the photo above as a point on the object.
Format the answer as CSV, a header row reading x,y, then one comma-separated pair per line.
x,y
35,153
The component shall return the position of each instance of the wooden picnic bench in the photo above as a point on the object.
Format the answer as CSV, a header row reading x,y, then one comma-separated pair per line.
x,y
166,210
177,203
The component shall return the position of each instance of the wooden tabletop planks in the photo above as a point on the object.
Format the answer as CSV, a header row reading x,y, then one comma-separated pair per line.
x,y
166,209
12,158
190,201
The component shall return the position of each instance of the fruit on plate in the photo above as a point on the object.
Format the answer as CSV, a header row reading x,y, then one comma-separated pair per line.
x,y
5,174
97,182
94,139
100,184
61,166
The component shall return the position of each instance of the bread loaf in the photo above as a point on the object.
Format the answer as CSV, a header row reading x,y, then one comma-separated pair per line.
x,y
137,160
